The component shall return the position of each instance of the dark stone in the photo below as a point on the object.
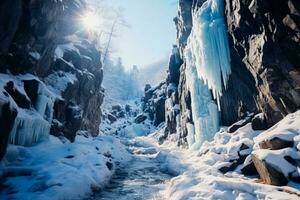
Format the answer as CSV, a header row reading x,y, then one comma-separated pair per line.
x,y
140,118
7,119
109,165
234,127
259,123
10,13
127,108
276,144
121,114
116,108
159,109
249,170
111,118
31,88
264,40
18,97
233,164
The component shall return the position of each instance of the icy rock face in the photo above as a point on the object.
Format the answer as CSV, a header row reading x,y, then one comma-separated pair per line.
x,y
172,101
264,76
65,93
264,40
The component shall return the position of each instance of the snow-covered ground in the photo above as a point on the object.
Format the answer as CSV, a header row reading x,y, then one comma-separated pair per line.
x,y
54,170
201,178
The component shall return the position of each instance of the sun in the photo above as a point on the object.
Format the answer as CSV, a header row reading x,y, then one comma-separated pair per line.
x,y
90,21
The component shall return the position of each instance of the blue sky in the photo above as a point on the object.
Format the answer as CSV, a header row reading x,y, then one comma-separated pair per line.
x,y
151,33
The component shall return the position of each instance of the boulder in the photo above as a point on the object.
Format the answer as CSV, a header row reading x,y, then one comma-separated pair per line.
x,y
275,144
140,118
269,174
121,114
234,127
117,108
259,122
111,118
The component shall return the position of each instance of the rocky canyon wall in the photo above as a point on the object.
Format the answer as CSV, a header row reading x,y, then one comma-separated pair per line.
x,y
50,72
263,41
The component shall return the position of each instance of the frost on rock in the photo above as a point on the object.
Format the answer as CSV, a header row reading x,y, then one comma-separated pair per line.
x,y
208,69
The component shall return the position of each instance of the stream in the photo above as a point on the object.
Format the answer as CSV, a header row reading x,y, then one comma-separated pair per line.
x,y
141,179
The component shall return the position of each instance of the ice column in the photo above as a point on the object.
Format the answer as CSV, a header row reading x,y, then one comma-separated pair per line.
x,y
33,125
208,68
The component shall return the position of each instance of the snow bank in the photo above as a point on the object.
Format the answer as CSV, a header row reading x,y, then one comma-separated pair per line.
x,y
53,170
287,129
202,178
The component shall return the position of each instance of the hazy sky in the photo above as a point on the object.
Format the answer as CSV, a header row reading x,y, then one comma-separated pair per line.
x,y
151,33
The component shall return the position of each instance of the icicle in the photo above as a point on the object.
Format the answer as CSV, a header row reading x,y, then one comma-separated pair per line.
x,y
207,69
208,46
204,110
45,102
29,128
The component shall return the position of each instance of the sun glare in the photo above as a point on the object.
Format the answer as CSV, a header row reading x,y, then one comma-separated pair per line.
x,y
90,21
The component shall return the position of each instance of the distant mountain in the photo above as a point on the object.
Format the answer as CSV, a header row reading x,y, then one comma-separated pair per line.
x,y
154,73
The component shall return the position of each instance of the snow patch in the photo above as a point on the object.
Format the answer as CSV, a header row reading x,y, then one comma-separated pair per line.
x,y
61,171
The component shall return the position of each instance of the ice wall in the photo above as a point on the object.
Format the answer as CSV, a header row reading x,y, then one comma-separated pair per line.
x,y
33,125
207,47
29,128
208,68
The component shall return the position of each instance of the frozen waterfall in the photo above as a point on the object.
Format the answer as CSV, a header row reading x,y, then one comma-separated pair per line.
x,y
208,68
31,125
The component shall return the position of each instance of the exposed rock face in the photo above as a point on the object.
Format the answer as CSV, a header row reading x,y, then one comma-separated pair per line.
x,y
7,117
40,38
154,102
265,53
264,36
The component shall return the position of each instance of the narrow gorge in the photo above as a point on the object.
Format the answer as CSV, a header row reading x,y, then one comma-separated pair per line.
x,y
77,123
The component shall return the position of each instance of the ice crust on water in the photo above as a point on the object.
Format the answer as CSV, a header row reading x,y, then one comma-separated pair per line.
x,y
208,69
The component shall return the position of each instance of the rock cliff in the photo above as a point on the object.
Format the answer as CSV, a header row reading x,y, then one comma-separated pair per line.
x,y
51,73
264,46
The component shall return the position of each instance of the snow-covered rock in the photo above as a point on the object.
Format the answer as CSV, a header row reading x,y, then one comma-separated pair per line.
x,y
54,170
239,155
